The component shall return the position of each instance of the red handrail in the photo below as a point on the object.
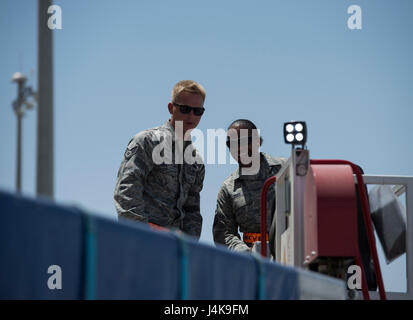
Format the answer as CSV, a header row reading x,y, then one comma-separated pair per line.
x,y
264,192
367,221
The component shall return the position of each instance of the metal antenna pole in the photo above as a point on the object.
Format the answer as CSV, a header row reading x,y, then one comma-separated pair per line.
x,y
20,105
19,154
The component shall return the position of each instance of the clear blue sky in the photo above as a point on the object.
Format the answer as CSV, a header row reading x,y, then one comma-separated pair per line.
x,y
269,61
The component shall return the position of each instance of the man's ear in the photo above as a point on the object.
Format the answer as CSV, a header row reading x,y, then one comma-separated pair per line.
x,y
170,107
261,140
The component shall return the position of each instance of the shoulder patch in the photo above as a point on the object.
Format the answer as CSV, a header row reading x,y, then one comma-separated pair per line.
x,y
130,151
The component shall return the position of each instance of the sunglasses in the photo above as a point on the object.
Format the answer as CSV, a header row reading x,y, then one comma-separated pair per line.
x,y
187,109
240,141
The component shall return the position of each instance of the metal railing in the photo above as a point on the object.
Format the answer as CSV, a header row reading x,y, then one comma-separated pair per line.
x,y
402,185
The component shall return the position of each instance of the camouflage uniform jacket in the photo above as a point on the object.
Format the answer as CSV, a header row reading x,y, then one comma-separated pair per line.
x,y
238,204
163,194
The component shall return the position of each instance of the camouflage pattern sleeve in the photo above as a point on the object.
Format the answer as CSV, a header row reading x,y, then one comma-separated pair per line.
x,y
225,228
136,165
192,222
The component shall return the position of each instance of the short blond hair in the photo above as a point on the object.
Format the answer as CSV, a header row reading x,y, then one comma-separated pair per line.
x,y
187,86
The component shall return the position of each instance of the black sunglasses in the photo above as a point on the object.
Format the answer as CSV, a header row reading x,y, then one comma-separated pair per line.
x,y
187,109
240,140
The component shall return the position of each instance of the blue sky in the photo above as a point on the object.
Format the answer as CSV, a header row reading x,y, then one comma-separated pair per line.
x,y
268,61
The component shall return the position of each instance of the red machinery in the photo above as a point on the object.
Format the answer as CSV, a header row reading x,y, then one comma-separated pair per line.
x,y
322,221
330,216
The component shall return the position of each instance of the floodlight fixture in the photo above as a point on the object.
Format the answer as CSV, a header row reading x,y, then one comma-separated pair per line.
x,y
295,133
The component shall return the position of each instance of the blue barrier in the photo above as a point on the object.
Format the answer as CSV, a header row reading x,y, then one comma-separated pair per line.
x,y
33,236
104,259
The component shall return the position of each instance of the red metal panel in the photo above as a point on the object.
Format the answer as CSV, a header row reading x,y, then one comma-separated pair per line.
x,y
330,212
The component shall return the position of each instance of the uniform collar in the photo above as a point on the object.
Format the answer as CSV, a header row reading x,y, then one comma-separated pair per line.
x,y
169,127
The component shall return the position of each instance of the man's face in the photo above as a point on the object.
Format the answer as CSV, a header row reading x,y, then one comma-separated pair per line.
x,y
247,144
189,120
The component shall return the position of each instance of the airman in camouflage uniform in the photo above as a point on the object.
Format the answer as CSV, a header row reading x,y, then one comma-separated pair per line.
x,y
166,193
238,203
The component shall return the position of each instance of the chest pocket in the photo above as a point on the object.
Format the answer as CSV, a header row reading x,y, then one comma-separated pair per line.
x,y
166,175
189,174
240,209
239,204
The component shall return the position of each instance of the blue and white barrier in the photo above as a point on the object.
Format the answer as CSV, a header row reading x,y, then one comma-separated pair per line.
x,y
103,259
